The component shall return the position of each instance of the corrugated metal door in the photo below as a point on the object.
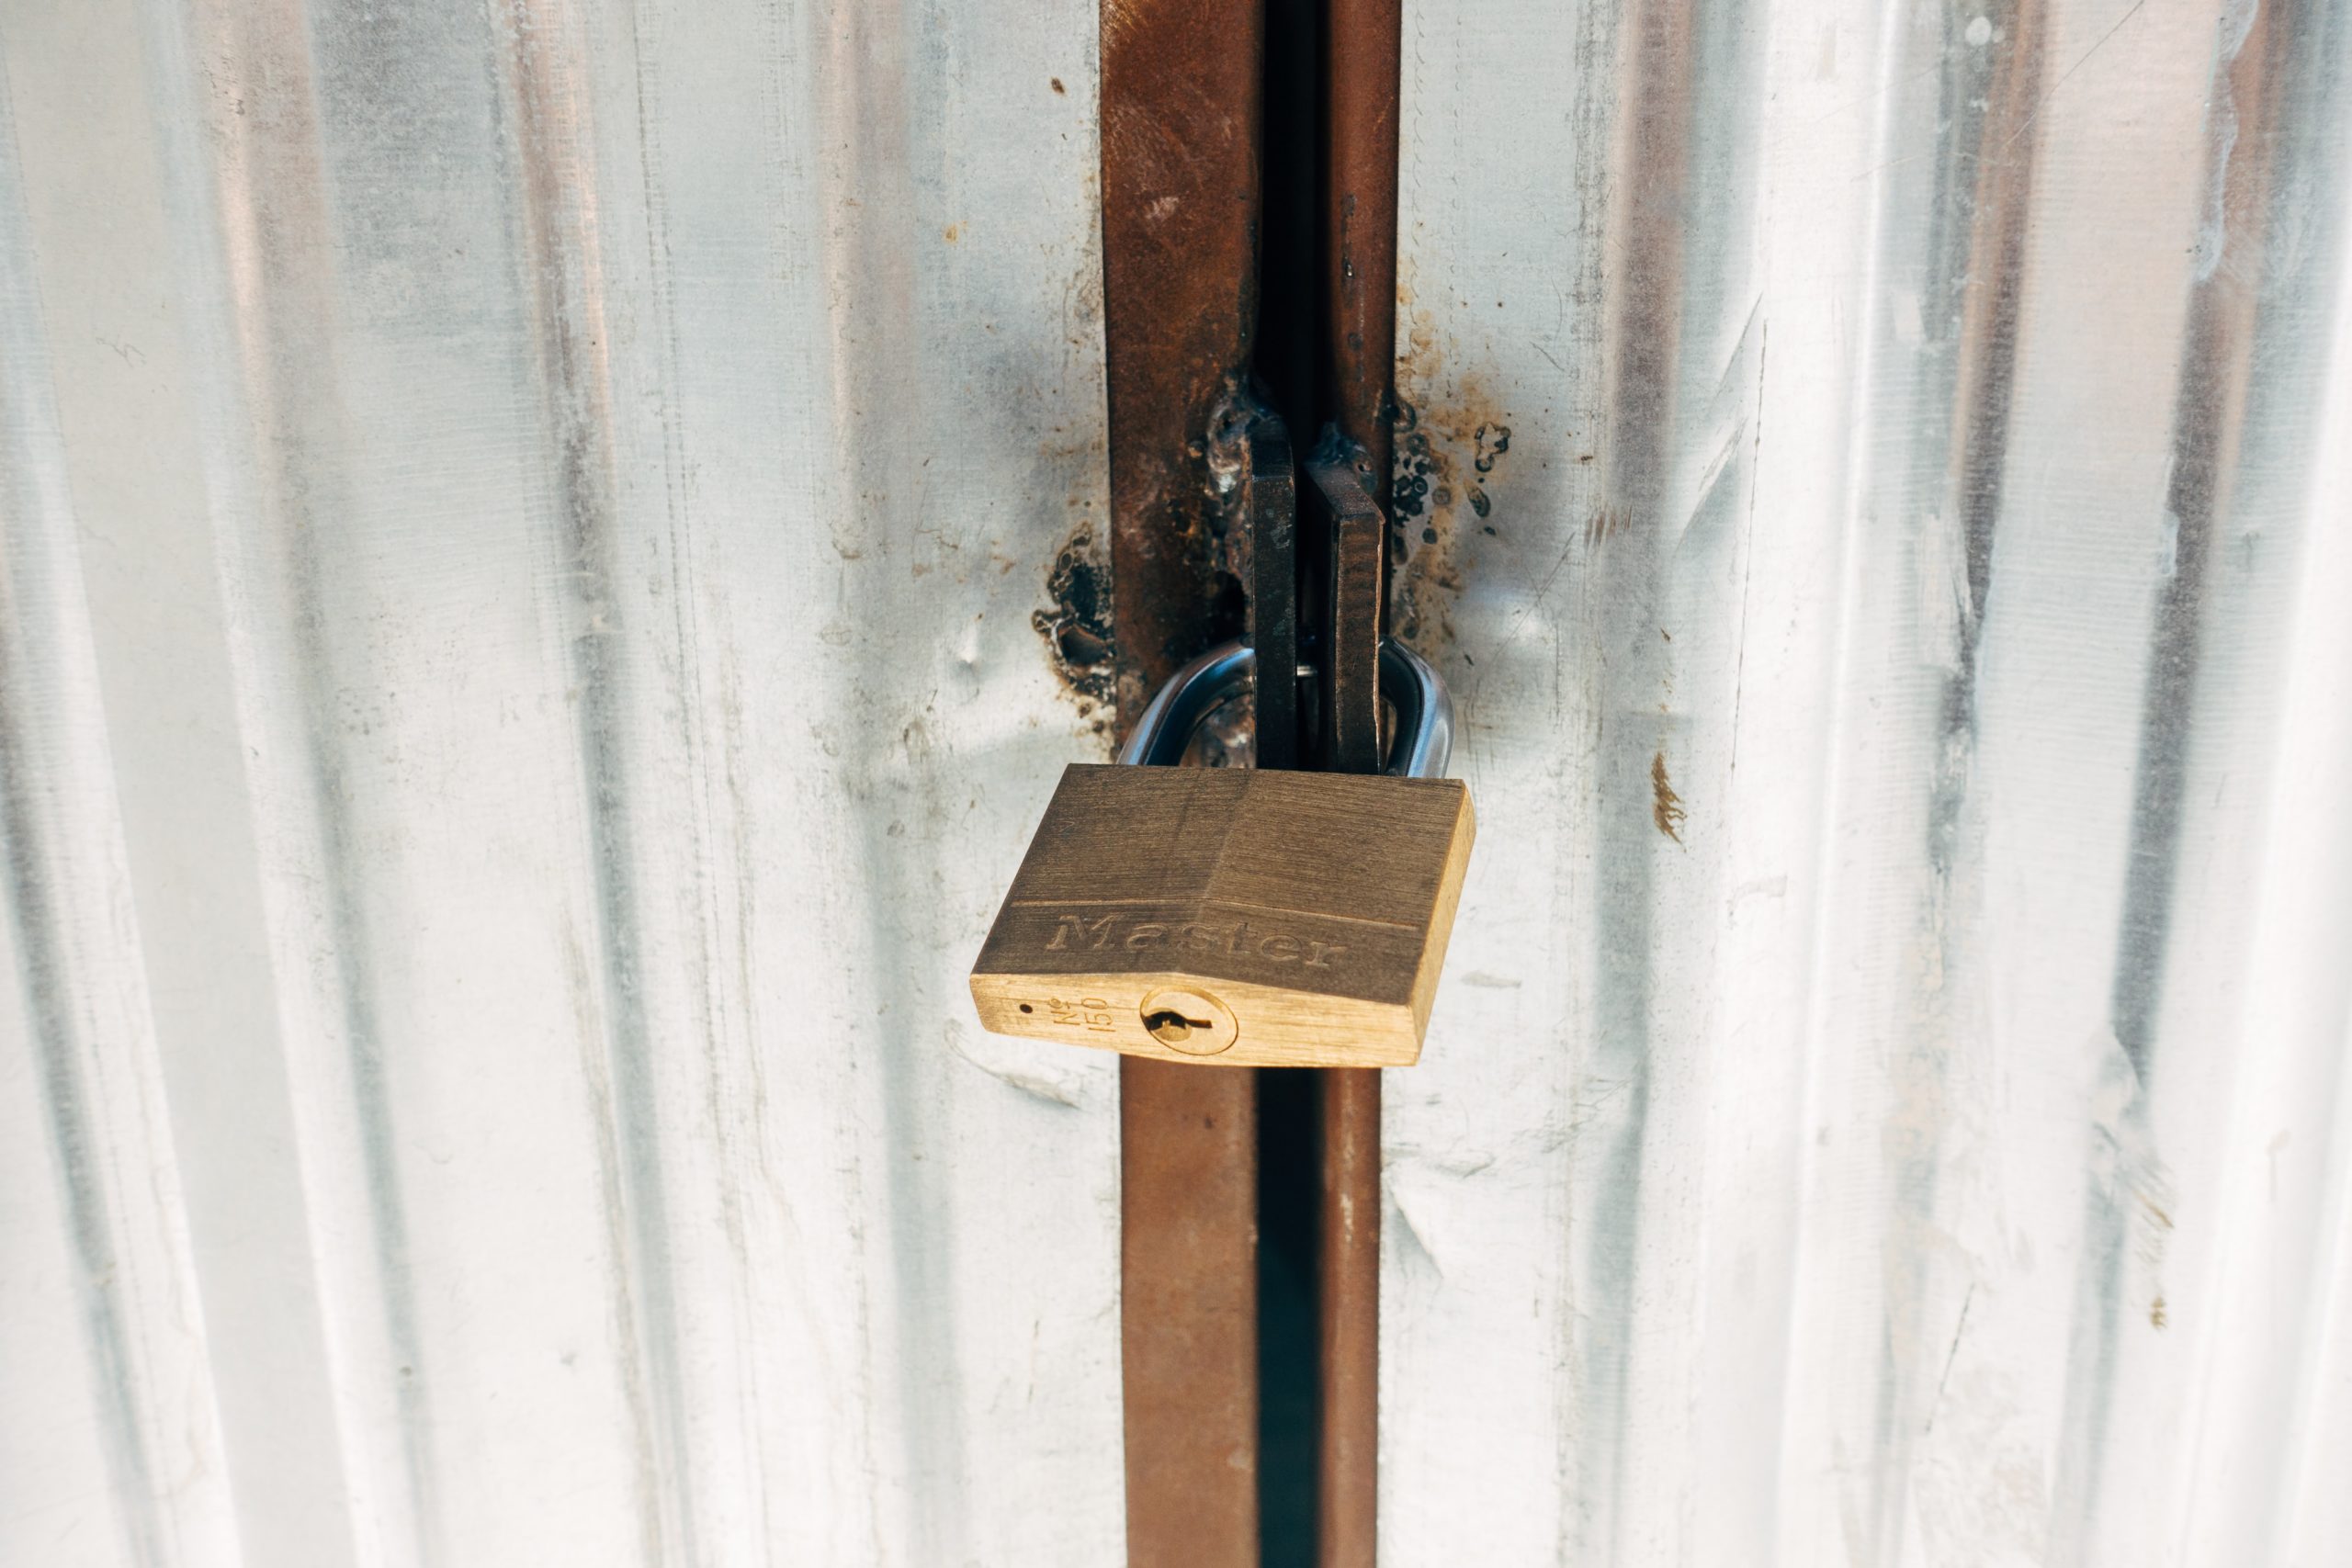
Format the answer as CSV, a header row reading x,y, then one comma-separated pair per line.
x,y
524,534
518,700
1886,527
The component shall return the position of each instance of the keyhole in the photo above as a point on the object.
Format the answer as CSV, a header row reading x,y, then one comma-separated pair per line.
x,y
1171,1028
1188,1020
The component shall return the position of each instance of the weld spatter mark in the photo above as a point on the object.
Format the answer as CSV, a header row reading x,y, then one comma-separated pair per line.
x,y
1442,507
1416,461
1077,627
1491,442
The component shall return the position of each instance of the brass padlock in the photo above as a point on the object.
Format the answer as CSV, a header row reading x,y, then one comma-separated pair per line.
x,y
1234,916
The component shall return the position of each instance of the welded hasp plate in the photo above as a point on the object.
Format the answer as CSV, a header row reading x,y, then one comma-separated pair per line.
x,y
1231,916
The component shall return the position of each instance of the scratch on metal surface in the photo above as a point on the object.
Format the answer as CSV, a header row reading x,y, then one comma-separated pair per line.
x,y
1748,539
1950,1355
2097,44
1045,1088
1412,1228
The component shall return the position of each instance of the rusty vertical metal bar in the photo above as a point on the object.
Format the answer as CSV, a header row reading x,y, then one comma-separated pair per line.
x,y
1189,1313
1348,1467
1180,124
1347,1265
1180,120
1363,40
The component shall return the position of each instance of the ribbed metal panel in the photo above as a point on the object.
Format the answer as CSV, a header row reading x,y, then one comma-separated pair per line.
x,y
1888,1104
519,527
517,699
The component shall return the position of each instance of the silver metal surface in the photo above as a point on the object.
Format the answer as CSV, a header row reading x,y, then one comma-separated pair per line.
x,y
519,696
519,529
1424,740
1883,516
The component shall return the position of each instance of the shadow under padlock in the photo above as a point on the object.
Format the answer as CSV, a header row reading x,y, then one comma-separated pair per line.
x,y
1236,916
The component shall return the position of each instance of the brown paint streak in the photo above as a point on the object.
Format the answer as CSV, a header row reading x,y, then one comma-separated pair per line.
x,y
1666,806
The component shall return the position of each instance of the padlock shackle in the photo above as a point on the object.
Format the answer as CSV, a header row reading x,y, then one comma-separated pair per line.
x,y
1191,695
1424,742
1424,712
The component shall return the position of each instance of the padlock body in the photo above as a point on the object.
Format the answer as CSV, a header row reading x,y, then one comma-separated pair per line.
x,y
1232,917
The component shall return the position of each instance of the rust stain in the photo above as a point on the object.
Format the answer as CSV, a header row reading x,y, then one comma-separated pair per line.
x,y
2157,1318
1077,627
1666,806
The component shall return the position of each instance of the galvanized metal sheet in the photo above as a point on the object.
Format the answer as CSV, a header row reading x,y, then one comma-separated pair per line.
x,y
519,695
1882,477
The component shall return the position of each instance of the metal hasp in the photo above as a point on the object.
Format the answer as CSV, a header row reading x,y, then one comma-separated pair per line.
x,y
1251,465
1342,490
1237,916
